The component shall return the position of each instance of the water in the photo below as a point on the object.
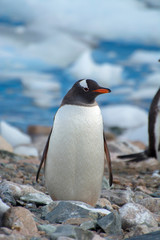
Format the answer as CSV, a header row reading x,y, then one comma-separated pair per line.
x,y
35,38
20,110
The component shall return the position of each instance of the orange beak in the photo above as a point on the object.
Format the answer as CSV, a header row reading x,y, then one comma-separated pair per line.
x,y
102,90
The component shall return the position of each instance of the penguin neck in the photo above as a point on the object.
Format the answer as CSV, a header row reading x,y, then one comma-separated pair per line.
x,y
78,102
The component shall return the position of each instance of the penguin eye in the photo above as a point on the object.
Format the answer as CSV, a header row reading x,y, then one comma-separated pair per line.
x,y
86,89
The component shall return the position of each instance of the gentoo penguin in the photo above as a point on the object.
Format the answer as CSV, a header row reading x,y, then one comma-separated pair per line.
x,y
76,147
153,149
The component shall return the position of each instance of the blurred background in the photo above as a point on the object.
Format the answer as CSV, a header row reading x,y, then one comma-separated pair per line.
x,y
46,45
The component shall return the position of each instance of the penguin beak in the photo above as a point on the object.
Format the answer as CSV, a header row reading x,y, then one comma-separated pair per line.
x,y
102,90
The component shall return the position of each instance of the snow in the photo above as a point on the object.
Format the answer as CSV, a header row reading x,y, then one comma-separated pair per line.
x,y
144,93
26,151
136,134
91,209
133,120
105,74
124,116
144,57
57,32
153,79
13,135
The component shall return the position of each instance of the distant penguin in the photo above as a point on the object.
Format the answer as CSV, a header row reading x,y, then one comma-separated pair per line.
x,y
153,149
76,147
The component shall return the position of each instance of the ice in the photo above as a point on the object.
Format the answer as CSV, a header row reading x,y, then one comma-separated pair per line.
x,y
13,135
144,57
105,74
57,32
153,79
124,116
136,134
26,151
43,88
144,93
39,81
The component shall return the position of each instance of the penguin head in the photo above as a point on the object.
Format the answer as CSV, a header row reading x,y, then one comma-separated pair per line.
x,y
84,92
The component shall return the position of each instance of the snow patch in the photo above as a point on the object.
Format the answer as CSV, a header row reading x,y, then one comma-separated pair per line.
x,y
13,135
124,116
104,74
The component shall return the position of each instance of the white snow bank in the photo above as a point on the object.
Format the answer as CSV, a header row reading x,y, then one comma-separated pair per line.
x,y
144,93
39,81
57,32
144,57
104,74
13,135
136,134
153,79
124,116
26,151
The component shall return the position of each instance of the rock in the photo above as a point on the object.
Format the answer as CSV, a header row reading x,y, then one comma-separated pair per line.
x,y
38,130
88,225
150,236
152,204
104,203
4,145
38,198
73,232
13,135
10,192
26,151
118,197
133,214
105,183
47,228
3,208
20,220
122,147
7,234
111,223
72,210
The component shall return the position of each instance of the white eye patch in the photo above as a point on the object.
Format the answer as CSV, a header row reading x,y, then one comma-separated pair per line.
x,y
83,83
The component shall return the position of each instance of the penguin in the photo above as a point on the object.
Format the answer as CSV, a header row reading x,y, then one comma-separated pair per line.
x,y
153,149
76,147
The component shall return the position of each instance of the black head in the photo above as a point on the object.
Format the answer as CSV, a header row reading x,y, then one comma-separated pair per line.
x,y
84,92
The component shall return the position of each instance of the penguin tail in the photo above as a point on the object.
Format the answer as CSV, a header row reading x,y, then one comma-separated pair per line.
x,y
134,157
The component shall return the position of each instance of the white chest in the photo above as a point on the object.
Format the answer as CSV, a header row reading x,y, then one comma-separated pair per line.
x,y
75,160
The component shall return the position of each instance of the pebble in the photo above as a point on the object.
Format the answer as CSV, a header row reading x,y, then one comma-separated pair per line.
x,y
118,196
134,214
62,212
3,208
38,198
152,204
20,220
10,192
111,223
67,230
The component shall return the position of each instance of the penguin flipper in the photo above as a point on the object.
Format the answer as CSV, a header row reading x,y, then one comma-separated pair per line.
x,y
108,160
44,156
135,157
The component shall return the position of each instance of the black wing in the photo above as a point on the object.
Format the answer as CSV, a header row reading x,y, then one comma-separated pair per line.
x,y
135,157
108,161
44,156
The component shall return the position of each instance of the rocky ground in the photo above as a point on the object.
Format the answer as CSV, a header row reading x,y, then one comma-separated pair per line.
x,y
130,208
